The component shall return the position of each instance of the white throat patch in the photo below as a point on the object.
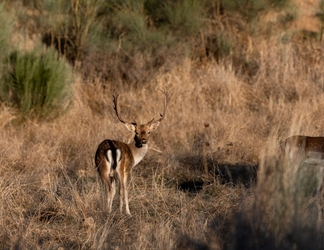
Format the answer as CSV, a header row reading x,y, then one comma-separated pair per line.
x,y
138,153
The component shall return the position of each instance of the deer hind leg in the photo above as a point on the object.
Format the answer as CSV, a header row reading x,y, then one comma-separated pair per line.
x,y
111,193
120,173
121,190
108,179
108,188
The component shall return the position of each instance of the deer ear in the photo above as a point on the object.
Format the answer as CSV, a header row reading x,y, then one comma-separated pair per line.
x,y
154,125
130,126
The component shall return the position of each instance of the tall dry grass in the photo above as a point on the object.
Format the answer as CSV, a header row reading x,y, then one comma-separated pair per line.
x,y
52,198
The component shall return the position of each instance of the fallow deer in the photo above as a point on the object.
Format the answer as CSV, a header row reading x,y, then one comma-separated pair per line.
x,y
115,159
304,149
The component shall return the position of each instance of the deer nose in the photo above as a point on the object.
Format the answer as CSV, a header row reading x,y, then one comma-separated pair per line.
x,y
143,141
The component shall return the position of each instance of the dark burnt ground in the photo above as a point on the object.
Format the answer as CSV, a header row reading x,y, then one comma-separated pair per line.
x,y
243,174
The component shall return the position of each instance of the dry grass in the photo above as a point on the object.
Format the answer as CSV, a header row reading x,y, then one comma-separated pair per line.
x,y
51,196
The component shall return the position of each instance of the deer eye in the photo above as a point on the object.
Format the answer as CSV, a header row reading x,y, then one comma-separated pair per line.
x,y
149,132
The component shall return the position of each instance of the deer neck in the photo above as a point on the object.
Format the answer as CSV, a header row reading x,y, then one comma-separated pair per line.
x,y
138,153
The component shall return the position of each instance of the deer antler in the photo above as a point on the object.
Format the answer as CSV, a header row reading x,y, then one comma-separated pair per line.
x,y
166,97
117,110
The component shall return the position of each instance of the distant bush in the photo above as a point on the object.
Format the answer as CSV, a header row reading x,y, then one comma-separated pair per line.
x,y
69,24
183,17
37,83
219,45
250,8
320,15
131,40
6,29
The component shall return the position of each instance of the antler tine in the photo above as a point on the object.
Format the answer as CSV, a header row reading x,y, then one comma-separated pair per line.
x,y
115,100
166,97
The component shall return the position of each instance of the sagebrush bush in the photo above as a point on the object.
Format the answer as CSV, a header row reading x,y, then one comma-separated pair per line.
x,y
37,83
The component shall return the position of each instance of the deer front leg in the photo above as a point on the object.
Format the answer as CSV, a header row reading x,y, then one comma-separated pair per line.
x,y
126,193
121,196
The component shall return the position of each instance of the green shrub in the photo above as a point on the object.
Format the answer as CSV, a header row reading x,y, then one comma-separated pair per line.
x,y
37,83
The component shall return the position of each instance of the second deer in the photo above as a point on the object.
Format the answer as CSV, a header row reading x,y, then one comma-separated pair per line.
x,y
301,149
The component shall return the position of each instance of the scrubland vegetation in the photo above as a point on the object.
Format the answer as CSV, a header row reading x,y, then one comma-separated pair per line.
x,y
241,78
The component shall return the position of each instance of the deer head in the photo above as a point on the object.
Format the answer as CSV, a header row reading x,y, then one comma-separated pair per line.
x,y
142,131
